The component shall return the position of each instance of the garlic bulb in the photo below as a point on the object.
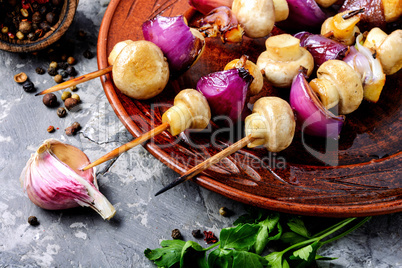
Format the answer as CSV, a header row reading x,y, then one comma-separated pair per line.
x,y
53,180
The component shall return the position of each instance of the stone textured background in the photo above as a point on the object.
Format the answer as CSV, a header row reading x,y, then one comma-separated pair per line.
x,y
79,237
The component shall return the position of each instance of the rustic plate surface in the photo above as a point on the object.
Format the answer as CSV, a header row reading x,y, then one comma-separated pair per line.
x,y
357,176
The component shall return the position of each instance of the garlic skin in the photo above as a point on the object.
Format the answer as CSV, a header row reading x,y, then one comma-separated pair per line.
x,y
53,180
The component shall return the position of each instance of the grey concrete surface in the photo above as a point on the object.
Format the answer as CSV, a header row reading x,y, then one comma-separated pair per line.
x,y
79,237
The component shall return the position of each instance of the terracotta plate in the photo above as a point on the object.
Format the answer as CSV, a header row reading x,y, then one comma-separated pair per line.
x,y
357,176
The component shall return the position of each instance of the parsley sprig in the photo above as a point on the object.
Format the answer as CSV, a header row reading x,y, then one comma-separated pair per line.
x,y
243,245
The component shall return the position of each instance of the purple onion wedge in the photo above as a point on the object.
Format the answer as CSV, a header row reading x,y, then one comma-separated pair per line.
x,y
181,45
312,117
226,91
321,48
303,14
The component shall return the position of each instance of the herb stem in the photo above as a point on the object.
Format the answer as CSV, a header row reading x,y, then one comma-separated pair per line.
x,y
348,231
212,246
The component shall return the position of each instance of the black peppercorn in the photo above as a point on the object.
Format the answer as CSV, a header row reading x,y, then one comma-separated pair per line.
x,y
36,17
32,220
51,18
88,54
71,71
197,234
63,74
44,25
50,100
40,70
52,71
63,65
61,112
43,10
176,234
28,86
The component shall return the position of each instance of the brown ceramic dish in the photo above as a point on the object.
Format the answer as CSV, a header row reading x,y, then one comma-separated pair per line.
x,y
366,181
66,18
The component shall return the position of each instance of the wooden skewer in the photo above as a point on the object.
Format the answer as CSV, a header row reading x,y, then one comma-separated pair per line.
x,y
209,162
77,80
125,147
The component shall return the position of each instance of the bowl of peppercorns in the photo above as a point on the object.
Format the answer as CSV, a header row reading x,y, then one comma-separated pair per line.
x,y
32,25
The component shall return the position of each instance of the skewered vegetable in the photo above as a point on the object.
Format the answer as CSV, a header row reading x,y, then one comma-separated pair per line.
x,y
312,117
343,26
226,91
258,81
181,45
272,125
387,49
256,16
117,49
140,70
283,59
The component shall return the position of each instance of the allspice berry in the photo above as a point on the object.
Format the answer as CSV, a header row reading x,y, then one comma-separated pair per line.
x,y
176,234
70,103
73,129
25,27
32,220
224,212
76,96
71,60
65,95
50,100
58,78
61,112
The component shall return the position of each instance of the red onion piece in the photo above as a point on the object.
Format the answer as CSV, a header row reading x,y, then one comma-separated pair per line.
x,y
175,39
312,117
226,91
206,6
321,48
303,14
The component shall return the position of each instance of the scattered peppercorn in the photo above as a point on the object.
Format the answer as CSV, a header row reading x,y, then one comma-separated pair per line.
x,y
32,220
20,78
52,71
176,234
50,100
65,95
73,129
224,212
73,88
81,34
40,70
63,74
197,233
63,65
71,60
71,71
210,237
53,64
88,54
70,103
76,96
58,78
28,86
50,129
61,112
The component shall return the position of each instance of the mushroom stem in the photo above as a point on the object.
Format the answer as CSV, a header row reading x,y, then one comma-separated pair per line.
x,y
77,80
209,162
283,47
125,147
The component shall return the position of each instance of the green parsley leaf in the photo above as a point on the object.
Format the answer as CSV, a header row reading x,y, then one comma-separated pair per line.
x,y
244,259
220,258
274,259
193,256
240,237
168,255
297,225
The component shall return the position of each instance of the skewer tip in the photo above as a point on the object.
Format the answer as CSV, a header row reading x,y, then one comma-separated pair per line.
x,y
173,184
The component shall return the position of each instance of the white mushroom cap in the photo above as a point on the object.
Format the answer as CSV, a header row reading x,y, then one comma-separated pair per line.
x,y
117,49
140,71
190,111
272,124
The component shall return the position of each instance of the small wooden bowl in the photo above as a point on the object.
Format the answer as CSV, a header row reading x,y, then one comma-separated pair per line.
x,y
66,18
